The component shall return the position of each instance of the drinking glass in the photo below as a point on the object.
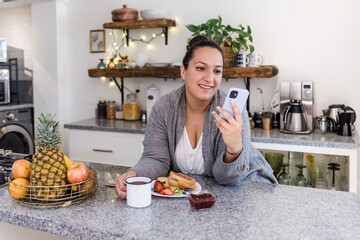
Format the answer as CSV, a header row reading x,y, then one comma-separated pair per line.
x,y
274,159
285,178
300,179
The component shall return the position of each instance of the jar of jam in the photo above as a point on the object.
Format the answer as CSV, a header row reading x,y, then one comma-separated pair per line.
x,y
101,109
131,108
110,110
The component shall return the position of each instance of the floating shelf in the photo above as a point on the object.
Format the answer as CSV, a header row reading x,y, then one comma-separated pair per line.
x,y
155,23
142,24
174,72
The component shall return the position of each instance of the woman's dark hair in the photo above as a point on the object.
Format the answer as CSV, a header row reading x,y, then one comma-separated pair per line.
x,y
198,42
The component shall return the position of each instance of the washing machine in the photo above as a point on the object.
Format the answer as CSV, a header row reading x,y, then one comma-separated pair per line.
x,y
17,130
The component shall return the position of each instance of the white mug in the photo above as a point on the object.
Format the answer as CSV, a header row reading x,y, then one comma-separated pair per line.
x,y
138,190
255,59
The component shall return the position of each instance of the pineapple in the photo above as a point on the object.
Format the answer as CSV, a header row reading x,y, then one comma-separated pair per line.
x,y
48,168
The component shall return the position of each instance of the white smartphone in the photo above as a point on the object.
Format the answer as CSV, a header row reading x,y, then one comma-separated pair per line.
x,y
238,96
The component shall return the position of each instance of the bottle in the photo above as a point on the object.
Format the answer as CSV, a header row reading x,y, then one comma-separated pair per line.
x,y
110,110
102,109
131,107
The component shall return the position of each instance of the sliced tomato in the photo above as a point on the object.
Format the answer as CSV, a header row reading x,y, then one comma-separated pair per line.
x,y
158,186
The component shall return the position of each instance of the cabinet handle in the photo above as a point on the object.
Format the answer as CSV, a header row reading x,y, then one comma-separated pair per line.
x,y
102,150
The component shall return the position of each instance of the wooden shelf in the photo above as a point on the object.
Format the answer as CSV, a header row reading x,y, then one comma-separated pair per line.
x,y
155,23
173,72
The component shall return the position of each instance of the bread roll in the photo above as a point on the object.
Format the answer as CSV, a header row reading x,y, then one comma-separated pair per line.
x,y
164,180
183,178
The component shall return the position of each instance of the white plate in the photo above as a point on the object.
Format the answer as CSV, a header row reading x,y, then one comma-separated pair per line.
x,y
196,191
159,64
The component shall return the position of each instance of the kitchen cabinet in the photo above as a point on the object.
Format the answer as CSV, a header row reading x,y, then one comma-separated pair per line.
x,y
349,154
123,149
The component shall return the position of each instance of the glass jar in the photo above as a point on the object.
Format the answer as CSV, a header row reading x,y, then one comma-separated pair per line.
x,y
131,107
102,109
110,110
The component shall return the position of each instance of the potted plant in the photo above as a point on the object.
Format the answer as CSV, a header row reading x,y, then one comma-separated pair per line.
x,y
231,39
267,114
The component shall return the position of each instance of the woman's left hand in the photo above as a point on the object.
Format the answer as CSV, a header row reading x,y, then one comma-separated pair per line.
x,y
230,129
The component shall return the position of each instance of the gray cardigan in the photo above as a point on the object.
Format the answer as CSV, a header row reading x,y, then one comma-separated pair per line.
x,y
164,129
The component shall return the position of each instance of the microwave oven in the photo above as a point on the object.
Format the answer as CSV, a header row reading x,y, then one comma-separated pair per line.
x,y
4,86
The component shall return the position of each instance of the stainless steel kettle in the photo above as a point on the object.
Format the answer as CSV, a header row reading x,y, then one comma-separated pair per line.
x,y
332,111
295,120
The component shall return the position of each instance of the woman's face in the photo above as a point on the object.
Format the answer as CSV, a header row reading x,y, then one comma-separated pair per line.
x,y
203,75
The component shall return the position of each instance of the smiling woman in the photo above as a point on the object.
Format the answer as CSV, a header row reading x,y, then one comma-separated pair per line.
x,y
182,136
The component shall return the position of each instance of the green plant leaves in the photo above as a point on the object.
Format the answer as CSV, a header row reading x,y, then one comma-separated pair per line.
x,y
191,28
214,30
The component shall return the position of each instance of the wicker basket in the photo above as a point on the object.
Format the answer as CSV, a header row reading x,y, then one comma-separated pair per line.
x,y
74,193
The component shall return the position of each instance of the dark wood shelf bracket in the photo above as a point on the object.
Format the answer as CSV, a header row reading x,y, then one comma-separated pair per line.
x,y
120,87
126,32
247,85
166,31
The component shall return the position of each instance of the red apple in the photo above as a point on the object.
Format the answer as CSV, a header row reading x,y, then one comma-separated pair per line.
x,y
21,169
77,172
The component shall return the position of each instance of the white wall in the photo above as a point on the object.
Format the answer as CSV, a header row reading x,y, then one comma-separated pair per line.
x,y
308,40
15,27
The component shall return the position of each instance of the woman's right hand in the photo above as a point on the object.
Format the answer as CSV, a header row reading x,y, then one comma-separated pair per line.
x,y
120,186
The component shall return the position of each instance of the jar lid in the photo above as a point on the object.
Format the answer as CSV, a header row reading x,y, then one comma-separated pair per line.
x,y
125,10
131,95
102,101
111,101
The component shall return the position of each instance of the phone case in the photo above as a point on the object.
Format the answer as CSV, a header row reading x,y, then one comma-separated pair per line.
x,y
240,100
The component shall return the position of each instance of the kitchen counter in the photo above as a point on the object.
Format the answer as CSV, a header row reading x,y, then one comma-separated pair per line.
x,y
249,210
315,139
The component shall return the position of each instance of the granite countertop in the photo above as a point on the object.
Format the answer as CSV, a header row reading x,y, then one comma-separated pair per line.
x,y
10,107
316,138
249,210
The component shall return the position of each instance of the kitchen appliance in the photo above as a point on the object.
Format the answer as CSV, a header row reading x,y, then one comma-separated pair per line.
x,y
295,120
152,95
4,86
332,112
297,98
326,124
3,50
16,130
346,122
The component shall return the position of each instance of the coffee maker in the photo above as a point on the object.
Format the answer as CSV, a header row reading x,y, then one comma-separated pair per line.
x,y
296,107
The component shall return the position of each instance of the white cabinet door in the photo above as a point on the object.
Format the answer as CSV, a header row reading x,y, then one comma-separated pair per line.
x,y
115,148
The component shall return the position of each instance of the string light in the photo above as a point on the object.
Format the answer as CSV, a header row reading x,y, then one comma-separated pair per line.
x,y
115,47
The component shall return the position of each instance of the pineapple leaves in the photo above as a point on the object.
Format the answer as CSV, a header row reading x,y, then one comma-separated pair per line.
x,y
47,132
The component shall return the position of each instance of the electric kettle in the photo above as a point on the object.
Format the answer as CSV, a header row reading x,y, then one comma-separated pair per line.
x,y
295,120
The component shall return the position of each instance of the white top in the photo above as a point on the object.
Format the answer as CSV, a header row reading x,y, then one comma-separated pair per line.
x,y
189,160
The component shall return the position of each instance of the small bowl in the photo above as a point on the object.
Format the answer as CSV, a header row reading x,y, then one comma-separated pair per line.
x,y
202,200
153,13
132,64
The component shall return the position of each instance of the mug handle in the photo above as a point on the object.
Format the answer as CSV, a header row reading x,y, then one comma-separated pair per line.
x,y
247,60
